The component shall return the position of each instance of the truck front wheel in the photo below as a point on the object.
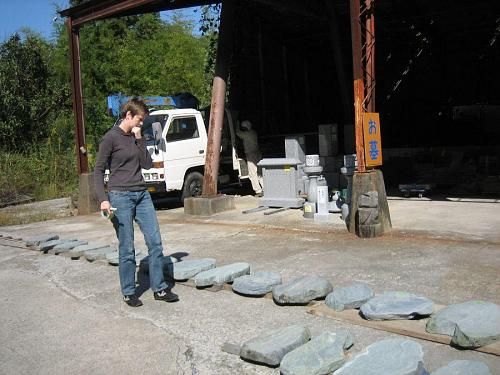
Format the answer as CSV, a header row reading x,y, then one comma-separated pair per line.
x,y
193,185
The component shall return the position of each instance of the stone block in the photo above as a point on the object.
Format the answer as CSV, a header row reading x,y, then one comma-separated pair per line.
x,y
368,199
397,305
471,324
463,367
87,201
66,246
322,355
190,268
46,246
98,254
271,347
363,183
36,240
167,263
352,296
222,275
256,284
392,356
367,216
83,248
301,290
207,206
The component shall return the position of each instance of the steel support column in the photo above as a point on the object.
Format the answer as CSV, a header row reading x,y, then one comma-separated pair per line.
x,y
224,48
76,86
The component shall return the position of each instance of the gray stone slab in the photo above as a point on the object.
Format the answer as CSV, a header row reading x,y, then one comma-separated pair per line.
x,y
256,284
351,296
167,260
98,254
302,290
86,247
112,258
322,355
222,275
46,246
271,347
36,240
387,357
471,324
463,367
397,305
368,199
66,246
190,268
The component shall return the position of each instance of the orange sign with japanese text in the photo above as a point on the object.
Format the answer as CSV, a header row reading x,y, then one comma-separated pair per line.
x,y
372,138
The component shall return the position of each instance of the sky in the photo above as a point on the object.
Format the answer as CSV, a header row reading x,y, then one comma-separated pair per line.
x,y
39,14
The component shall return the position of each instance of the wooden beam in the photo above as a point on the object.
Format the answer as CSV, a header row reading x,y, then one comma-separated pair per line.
x,y
76,90
216,122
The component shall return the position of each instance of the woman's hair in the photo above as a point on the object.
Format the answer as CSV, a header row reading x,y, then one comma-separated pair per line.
x,y
136,107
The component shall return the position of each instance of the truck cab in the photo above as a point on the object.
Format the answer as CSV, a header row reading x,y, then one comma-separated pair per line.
x,y
177,142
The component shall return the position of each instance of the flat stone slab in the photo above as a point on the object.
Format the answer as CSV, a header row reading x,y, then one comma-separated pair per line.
x,y
98,254
46,246
190,268
471,324
256,284
36,240
86,247
351,296
271,347
463,367
322,355
167,260
66,246
221,275
302,290
387,357
112,258
397,305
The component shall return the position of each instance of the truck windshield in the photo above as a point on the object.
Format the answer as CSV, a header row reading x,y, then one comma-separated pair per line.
x,y
147,129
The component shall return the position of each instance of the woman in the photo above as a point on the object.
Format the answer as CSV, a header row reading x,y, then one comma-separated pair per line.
x,y
123,149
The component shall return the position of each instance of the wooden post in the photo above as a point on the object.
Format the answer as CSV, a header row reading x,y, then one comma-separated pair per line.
x,y
359,90
370,56
224,48
76,86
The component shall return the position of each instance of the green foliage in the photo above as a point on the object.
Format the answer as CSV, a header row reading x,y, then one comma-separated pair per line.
x,y
28,96
136,55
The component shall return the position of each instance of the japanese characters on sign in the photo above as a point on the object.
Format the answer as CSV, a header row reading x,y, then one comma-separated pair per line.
x,y
372,138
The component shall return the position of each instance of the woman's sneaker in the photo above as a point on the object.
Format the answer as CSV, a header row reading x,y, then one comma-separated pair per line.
x,y
132,300
166,295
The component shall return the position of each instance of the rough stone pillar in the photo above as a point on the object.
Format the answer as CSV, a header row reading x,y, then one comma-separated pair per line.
x,y
363,183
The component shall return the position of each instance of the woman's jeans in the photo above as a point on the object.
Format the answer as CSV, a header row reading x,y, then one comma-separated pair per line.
x,y
138,206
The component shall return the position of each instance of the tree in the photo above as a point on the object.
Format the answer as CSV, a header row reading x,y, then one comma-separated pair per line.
x,y
28,95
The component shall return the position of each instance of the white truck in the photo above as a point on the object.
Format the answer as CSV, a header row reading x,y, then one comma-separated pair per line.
x,y
177,142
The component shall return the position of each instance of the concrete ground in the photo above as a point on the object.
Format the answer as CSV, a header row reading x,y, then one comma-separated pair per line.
x,y
64,316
